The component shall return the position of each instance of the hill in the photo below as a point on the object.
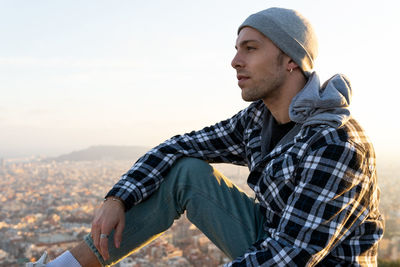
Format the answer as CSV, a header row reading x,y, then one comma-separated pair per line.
x,y
105,153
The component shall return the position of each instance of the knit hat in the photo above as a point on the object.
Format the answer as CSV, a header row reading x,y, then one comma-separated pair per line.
x,y
289,31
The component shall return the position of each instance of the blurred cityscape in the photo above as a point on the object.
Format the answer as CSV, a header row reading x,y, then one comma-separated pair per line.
x,y
48,205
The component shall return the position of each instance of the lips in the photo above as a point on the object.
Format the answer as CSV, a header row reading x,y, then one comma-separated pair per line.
x,y
242,79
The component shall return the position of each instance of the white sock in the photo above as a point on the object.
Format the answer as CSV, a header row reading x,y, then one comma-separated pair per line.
x,y
65,259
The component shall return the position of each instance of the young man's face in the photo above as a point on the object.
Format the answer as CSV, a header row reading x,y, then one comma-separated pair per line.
x,y
260,65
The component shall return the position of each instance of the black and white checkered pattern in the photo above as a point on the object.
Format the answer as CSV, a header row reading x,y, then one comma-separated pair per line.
x,y
320,197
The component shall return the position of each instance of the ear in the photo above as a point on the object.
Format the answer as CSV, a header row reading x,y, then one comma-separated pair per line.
x,y
292,65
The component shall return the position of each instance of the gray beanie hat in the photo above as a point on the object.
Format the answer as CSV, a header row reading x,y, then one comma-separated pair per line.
x,y
289,31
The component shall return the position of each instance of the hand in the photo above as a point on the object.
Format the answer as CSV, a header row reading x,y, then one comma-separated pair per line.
x,y
110,215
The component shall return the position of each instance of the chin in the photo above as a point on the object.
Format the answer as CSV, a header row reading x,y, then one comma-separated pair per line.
x,y
250,94
248,98
244,97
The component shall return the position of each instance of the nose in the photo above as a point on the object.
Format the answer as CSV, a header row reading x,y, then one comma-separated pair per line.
x,y
237,62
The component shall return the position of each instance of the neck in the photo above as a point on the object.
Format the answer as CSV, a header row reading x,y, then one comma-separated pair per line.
x,y
279,105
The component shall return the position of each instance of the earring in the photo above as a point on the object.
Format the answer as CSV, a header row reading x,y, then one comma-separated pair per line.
x,y
290,70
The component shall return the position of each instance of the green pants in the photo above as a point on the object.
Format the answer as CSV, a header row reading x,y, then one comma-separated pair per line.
x,y
226,215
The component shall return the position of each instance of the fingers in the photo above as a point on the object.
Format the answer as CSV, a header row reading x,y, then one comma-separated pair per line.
x,y
118,233
104,246
101,228
95,232
110,216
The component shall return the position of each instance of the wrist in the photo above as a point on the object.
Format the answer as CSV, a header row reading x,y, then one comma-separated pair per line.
x,y
115,199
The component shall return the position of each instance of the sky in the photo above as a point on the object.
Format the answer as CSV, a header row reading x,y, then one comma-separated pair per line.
x,y
92,72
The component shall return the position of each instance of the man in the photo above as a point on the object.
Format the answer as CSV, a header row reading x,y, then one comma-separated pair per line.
x,y
311,167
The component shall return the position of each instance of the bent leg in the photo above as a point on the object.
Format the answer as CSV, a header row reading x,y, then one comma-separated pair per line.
x,y
225,214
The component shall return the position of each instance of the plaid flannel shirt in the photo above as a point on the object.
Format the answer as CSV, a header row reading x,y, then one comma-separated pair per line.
x,y
320,197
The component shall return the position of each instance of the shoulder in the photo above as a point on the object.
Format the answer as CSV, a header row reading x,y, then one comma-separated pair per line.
x,y
255,109
347,144
253,115
350,134
335,156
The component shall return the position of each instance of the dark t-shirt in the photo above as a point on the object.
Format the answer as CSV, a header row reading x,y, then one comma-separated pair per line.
x,y
272,132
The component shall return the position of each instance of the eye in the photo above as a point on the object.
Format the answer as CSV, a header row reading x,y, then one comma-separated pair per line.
x,y
250,48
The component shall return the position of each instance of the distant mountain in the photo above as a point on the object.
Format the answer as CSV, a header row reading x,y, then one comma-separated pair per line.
x,y
104,153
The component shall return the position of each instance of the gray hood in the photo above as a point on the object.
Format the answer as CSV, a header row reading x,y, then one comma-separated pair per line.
x,y
327,104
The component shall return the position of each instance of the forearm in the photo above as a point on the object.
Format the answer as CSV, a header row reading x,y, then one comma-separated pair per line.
x,y
222,142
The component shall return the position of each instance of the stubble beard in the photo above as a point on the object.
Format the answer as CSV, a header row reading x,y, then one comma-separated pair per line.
x,y
269,86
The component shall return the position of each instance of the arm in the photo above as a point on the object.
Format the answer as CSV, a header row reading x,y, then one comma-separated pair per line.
x,y
330,197
222,142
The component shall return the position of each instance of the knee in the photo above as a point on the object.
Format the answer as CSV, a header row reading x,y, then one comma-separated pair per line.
x,y
191,164
189,168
